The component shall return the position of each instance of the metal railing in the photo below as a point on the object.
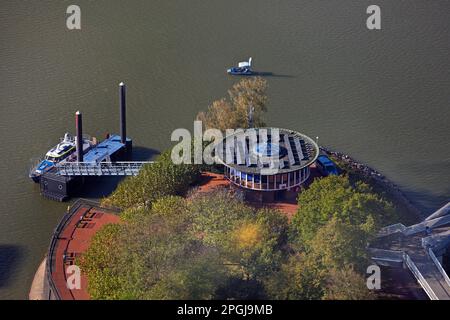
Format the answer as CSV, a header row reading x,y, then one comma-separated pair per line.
x,y
51,255
100,169
426,287
386,255
439,266
396,256
398,227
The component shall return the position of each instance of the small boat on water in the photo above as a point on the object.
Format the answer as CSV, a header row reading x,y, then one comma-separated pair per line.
x,y
57,154
243,69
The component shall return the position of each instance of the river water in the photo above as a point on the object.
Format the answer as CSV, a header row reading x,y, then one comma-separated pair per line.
x,y
381,96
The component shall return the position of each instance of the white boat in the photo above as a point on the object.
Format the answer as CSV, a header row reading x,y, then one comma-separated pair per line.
x,y
59,153
244,68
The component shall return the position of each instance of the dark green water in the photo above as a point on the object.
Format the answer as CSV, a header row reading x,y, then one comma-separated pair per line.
x,y
381,96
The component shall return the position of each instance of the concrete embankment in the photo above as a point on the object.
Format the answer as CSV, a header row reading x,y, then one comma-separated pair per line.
x,y
37,287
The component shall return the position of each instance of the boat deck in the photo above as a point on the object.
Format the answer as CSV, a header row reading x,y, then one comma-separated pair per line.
x,y
104,149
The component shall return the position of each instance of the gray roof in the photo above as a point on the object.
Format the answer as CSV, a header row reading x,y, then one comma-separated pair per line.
x,y
244,150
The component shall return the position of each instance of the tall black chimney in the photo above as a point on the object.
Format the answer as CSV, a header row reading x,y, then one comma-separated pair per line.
x,y
123,113
79,128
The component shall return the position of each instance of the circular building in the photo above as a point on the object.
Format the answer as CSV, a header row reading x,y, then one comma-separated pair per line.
x,y
268,160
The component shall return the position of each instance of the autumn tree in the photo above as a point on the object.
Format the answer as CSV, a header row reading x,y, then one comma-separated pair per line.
x,y
257,244
216,214
155,257
194,248
251,241
233,112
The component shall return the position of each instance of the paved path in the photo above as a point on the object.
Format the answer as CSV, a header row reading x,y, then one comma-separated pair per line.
x,y
85,219
406,244
432,275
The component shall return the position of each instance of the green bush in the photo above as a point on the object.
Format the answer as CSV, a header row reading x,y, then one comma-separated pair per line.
x,y
335,197
154,181
330,232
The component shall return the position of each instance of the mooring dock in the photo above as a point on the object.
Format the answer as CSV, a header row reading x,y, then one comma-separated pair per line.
x,y
420,248
110,157
100,160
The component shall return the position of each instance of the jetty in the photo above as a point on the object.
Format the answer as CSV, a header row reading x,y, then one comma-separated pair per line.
x,y
110,157
418,248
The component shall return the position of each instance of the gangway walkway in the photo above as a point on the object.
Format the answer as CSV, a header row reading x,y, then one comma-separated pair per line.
x,y
124,168
418,247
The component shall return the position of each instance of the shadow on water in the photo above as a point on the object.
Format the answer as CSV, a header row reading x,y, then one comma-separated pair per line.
x,y
271,74
424,199
10,258
144,154
100,187
427,202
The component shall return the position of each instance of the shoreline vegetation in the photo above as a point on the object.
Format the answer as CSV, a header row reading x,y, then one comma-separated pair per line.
x,y
180,244
408,212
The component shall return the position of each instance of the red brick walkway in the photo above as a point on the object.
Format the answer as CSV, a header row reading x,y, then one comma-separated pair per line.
x,y
286,207
210,181
72,242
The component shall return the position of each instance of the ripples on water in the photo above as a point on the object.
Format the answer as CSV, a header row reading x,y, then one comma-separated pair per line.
x,y
380,96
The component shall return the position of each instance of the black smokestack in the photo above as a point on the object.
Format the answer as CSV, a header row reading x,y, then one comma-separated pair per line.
x,y
79,128
123,113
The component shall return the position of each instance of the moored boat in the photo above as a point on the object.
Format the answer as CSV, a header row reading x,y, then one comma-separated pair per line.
x,y
57,154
